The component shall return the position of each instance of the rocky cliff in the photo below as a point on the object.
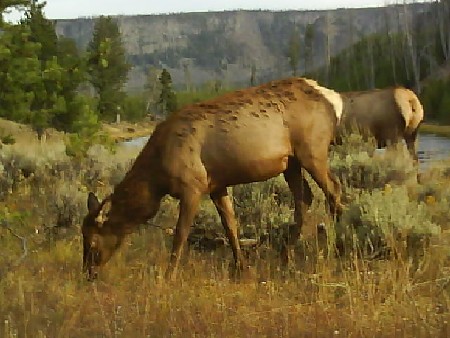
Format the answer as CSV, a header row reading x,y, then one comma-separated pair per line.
x,y
201,47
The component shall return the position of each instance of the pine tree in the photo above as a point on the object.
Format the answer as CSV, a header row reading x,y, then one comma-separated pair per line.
x,y
74,74
167,98
294,51
39,74
309,48
42,32
19,73
107,66
152,89
253,75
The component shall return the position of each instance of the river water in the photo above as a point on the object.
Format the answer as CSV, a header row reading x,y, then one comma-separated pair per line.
x,y
431,148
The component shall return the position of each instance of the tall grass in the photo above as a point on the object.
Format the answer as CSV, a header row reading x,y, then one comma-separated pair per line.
x,y
382,272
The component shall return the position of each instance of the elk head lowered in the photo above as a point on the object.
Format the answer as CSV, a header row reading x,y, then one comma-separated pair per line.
x,y
100,240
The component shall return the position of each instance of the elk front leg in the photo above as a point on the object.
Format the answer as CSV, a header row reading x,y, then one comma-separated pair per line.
x,y
189,204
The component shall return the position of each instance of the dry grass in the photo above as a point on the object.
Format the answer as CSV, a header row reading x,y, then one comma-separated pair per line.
x,y
405,294
47,296
126,131
24,135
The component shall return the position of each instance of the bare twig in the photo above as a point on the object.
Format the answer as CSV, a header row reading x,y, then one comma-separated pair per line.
x,y
238,204
444,280
22,239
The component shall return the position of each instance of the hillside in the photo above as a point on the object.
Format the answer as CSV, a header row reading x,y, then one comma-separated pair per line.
x,y
201,47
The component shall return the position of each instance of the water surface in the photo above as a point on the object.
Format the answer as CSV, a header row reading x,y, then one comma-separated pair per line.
x,y
431,148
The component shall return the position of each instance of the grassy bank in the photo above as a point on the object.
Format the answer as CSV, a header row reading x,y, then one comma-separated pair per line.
x,y
126,131
382,272
122,131
431,128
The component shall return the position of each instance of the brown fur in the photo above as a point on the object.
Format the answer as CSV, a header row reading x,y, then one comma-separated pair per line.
x,y
390,115
246,136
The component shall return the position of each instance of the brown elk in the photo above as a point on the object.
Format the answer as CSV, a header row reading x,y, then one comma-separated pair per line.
x,y
245,136
390,115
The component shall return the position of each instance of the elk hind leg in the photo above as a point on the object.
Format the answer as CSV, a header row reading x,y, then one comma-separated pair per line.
x,y
317,166
302,194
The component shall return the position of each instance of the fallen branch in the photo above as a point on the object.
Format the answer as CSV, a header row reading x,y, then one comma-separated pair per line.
x,y
22,239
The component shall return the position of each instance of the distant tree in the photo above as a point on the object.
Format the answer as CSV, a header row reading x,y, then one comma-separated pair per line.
x,y
107,66
294,51
328,39
20,71
443,21
412,48
187,75
167,98
390,35
39,74
42,30
46,99
253,75
70,59
348,63
152,89
308,48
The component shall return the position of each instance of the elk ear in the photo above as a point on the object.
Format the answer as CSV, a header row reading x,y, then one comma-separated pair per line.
x,y
93,203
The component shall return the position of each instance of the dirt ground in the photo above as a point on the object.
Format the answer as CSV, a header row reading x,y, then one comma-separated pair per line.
x,y
125,131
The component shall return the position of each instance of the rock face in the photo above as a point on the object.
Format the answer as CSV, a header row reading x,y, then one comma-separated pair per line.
x,y
201,47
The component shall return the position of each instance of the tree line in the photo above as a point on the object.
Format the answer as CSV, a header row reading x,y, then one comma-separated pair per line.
x,y
46,81
411,51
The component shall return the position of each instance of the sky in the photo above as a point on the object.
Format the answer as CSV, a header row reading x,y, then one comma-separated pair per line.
x,y
68,9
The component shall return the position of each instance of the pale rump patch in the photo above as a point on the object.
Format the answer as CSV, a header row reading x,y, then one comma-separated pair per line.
x,y
410,107
331,96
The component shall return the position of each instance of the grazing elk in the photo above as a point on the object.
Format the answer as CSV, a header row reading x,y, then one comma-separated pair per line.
x,y
245,136
389,115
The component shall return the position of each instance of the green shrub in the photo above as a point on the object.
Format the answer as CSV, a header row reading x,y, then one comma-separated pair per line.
x,y
381,217
263,205
435,98
35,159
359,165
77,145
380,208
134,108
7,139
67,203
101,167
